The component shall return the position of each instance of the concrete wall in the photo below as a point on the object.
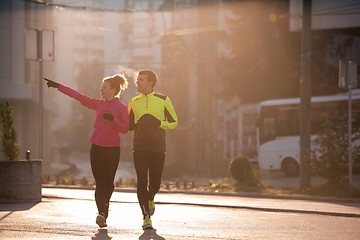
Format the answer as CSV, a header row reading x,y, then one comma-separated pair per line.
x,y
20,181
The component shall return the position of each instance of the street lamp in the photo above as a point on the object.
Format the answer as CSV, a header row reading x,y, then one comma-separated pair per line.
x,y
348,79
39,46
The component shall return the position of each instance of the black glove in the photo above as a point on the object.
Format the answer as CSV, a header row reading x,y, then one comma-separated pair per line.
x,y
51,83
108,116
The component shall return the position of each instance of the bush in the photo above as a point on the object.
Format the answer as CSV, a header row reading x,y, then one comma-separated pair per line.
x,y
329,159
9,138
46,178
119,182
193,184
84,181
177,184
240,169
220,185
185,184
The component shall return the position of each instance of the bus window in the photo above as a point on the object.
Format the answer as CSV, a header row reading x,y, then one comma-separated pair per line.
x,y
287,123
249,144
267,125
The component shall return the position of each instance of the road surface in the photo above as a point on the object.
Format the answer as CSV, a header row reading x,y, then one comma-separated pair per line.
x,y
70,214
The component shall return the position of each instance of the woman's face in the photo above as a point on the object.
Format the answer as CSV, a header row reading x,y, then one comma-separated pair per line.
x,y
106,91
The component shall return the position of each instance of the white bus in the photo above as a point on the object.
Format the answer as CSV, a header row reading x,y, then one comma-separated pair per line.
x,y
278,127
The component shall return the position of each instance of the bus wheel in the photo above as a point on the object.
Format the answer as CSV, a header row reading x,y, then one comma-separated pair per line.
x,y
290,167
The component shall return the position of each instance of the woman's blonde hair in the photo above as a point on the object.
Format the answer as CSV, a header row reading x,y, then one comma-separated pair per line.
x,y
117,82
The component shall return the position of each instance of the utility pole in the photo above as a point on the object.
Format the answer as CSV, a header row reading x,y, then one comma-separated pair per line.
x,y
348,79
41,102
305,96
39,46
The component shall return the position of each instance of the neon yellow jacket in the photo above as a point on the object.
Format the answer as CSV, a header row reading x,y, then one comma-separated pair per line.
x,y
149,116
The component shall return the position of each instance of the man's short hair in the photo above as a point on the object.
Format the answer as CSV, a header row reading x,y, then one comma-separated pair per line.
x,y
151,76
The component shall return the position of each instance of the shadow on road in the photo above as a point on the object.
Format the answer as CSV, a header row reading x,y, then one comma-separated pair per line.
x,y
102,234
14,207
150,235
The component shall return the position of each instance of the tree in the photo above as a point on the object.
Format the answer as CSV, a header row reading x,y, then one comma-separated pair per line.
x,y
330,158
9,137
261,59
328,47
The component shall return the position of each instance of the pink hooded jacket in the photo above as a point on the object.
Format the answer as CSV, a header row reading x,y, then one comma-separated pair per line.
x,y
105,132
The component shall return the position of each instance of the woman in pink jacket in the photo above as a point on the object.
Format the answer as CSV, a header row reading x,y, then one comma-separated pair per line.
x,y
111,119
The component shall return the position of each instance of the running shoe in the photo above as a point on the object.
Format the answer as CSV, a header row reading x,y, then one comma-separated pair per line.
x,y
147,223
101,220
151,207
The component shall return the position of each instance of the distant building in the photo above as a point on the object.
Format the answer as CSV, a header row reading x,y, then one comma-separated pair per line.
x,y
19,79
120,41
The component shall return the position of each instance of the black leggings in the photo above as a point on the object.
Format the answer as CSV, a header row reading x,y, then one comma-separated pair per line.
x,y
151,163
104,163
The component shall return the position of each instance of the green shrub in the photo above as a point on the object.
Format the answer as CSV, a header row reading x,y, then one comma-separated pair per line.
x,y
45,178
9,137
68,179
177,184
133,182
240,169
330,159
185,184
119,182
193,184
58,180
221,185
84,181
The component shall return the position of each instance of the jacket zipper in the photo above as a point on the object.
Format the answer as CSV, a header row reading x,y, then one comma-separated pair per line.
x,y
147,100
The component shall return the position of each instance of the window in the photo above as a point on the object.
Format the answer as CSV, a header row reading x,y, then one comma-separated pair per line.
x,y
287,123
267,124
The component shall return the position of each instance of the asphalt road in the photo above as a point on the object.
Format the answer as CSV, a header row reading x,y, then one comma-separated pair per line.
x,y
70,214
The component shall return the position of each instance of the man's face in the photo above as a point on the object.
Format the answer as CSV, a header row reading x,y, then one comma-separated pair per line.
x,y
143,84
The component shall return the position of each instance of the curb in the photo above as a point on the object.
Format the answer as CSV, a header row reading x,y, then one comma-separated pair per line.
x,y
224,194
264,209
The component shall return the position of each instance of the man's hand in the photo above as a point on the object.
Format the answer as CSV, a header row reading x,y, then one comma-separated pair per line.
x,y
108,116
51,83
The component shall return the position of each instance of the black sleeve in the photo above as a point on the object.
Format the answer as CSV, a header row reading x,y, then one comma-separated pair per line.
x,y
131,121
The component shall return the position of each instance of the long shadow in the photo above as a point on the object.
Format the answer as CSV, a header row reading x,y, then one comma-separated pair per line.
x,y
102,234
14,207
150,235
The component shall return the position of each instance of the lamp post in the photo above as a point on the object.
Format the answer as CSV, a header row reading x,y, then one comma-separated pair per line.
x,y
39,46
348,79
305,96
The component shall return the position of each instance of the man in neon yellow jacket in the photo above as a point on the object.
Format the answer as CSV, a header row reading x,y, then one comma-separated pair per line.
x,y
150,114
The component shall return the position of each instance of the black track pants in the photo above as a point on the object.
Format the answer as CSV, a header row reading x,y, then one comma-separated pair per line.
x,y
148,164
104,163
